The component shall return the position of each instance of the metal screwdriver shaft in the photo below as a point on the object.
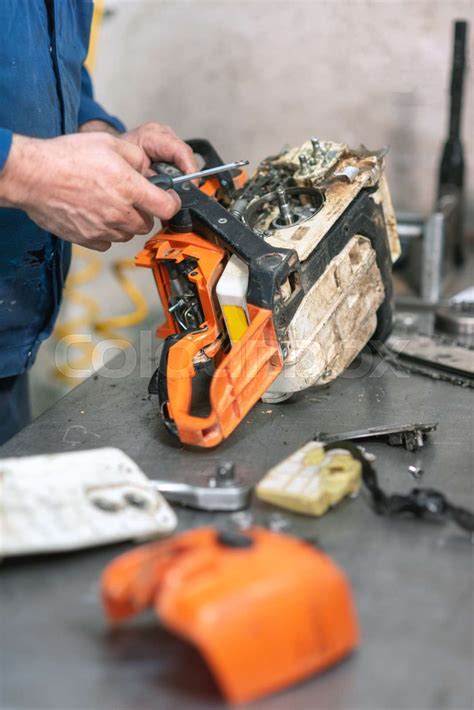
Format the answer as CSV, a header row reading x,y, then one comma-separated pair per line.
x,y
167,182
210,171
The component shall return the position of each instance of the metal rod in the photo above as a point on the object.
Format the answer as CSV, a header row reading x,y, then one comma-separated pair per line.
x,y
284,206
209,171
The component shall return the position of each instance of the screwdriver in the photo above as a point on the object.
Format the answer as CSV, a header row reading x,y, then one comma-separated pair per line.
x,y
167,182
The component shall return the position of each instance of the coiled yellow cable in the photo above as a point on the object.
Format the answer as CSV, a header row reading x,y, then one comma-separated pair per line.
x,y
71,332
67,333
127,320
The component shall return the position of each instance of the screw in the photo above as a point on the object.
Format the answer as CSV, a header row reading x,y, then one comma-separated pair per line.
x,y
186,186
316,148
222,220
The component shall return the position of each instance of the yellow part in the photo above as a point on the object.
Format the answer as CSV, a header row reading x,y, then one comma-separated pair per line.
x,y
236,322
311,480
126,320
89,320
94,35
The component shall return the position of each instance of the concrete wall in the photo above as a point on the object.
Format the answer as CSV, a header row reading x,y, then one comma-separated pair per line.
x,y
254,75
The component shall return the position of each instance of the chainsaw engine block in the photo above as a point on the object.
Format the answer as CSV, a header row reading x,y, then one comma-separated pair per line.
x,y
298,200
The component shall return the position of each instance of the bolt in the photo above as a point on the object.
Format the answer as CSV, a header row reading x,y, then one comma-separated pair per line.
x,y
416,471
278,522
222,220
304,165
284,206
225,473
242,520
316,148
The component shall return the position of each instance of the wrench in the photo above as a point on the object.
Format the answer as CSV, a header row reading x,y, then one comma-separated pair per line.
x,y
222,493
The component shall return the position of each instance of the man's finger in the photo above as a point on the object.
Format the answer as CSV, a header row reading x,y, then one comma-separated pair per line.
x,y
147,221
164,145
152,199
136,222
133,154
97,245
174,150
165,129
121,234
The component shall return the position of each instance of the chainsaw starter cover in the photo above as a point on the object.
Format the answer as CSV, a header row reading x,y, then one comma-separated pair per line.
x,y
264,609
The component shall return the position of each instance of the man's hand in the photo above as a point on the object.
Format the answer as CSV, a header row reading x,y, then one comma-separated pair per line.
x,y
157,141
161,143
89,188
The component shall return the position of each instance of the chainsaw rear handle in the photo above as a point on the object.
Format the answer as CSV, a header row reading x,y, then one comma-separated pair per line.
x,y
212,159
175,381
239,380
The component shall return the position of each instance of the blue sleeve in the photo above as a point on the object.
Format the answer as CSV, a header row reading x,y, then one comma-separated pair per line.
x,y
6,137
89,109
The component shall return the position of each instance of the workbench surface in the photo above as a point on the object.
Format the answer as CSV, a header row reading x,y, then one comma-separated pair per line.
x,y
412,580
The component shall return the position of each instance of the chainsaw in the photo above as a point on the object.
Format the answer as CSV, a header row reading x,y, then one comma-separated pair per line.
x,y
269,284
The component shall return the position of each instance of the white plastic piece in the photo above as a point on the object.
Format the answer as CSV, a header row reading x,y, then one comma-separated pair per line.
x,y
232,288
61,502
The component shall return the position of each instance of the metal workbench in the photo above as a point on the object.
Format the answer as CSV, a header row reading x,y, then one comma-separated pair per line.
x,y
412,580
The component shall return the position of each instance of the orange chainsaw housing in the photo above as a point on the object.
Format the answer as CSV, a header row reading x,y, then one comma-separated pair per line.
x,y
242,373
263,616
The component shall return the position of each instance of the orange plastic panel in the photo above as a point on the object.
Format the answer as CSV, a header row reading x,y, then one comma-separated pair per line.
x,y
263,616
242,374
177,247
240,379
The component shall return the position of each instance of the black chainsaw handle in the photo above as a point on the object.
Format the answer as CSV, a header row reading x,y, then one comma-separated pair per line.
x,y
212,159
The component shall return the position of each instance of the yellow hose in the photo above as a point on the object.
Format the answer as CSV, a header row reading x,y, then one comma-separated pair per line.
x,y
71,332
67,332
126,320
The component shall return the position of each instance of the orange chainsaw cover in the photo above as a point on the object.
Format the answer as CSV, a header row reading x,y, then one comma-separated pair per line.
x,y
264,609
